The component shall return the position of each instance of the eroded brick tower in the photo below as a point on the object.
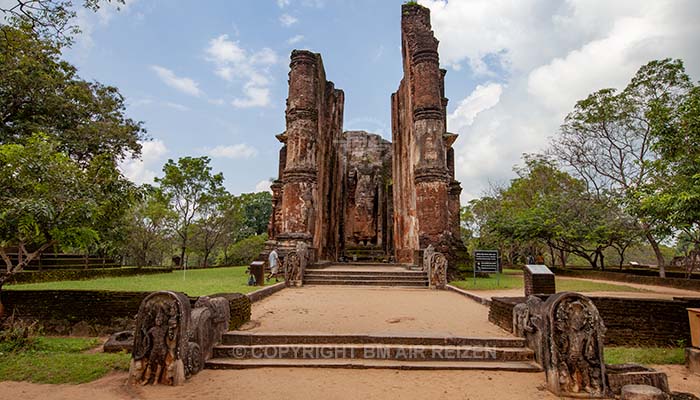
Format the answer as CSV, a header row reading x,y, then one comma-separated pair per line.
x,y
426,194
350,194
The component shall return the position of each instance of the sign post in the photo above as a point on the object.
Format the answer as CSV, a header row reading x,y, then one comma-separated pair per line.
x,y
487,261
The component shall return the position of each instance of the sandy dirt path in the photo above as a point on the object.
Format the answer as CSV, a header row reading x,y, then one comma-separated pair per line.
x,y
680,379
322,384
342,310
302,384
321,309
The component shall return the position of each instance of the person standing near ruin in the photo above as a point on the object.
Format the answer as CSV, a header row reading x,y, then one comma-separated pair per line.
x,y
274,261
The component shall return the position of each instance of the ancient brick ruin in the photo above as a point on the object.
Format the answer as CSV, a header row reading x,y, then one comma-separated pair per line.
x,y
353,195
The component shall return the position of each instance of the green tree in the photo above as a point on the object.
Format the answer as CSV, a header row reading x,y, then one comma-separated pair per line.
x,y
47,200
255,210
244,251
212,227
675,197
51,19
546,209
243,216
189,187
41,93
147,229
608,140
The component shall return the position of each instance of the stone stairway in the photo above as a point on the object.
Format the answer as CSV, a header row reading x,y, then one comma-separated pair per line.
x,y
365,274
240,350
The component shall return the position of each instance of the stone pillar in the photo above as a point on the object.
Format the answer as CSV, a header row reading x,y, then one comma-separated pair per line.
x,y
283,157
300,172
427,107
276,215
455,191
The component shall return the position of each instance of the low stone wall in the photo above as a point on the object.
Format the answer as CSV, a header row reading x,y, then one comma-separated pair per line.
x,y
240,308
82,274
629,322
647,322
265,292
687,284
94,312
501,311
78,312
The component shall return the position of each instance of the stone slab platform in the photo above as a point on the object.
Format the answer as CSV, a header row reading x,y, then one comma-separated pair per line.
x,y
227,363
242,338
350,310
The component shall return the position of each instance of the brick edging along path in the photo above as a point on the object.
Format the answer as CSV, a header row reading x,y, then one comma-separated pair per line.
x,y
677,283
265,291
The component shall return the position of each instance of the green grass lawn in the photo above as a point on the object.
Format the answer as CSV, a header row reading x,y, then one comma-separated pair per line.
x,y
59,360
644,355
195,282
513,281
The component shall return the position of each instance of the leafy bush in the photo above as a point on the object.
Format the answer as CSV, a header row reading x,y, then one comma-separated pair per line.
x,y
244,251
17,335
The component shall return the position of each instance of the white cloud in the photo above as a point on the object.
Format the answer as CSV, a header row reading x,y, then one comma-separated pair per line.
x,y
288,20
545,55
89,21
177,106
216,102
143,170
140,102
235,151
234,63
481,99
263,186
379,53
295,39
305,3
254,97
184,85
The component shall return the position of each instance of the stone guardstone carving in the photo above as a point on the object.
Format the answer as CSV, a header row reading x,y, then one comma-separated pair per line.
x,y
438,271
528,323
566,332
161,340
573,333
427,255
295,263
171,341
209,321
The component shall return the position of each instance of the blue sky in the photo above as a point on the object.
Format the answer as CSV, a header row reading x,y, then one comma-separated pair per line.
x,y
210,78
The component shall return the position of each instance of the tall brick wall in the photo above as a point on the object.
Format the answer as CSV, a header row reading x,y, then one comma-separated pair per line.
x,y
396,209
426,194
630,322
305,198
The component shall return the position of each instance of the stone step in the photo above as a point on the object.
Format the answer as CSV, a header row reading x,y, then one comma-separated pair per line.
x,y
515,366
241,338
353,275
364,282
358,264
373,271
395,352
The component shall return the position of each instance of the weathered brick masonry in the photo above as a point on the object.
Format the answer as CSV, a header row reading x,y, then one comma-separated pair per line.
x,y
629,322
350,193
101,311
674,282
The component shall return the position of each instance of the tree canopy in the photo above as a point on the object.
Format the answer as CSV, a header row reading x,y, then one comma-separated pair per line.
x,y
50,19
39,92
613,141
